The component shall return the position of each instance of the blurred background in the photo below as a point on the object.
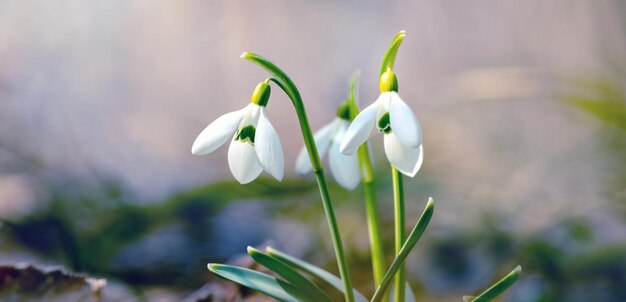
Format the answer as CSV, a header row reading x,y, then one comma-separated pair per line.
x,y
523,106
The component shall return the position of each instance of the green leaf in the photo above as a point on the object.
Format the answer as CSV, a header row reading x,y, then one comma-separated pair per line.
x,y
263,283
313,271
498,288
284,270
390,56
408,245
610,112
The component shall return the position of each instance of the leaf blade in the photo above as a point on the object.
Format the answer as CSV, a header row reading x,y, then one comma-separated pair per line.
x,y
499,287
314,271
260,282
408,245
289,274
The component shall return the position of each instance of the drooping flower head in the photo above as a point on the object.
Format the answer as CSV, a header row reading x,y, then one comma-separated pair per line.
x,y
255,145
344,168
393,118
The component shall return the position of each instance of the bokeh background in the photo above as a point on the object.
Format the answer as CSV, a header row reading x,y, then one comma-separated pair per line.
x,y
523,105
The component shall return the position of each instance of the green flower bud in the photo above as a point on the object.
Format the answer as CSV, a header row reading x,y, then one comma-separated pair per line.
x,y
388,81
261,94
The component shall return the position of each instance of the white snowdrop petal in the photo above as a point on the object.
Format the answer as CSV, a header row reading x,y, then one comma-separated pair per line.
x,y
344,168
406,159
322,140
243,162
268,147
360,129
404,123
217,133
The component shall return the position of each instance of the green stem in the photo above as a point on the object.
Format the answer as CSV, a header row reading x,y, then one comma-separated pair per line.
x,y
398,202
287,85
373,216
369,187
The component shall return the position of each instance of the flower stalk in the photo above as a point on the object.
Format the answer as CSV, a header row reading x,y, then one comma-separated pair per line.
x,y
377,249
286,84
389,82
398,212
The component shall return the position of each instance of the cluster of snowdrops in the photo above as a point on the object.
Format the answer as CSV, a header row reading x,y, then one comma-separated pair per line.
x,y
255,147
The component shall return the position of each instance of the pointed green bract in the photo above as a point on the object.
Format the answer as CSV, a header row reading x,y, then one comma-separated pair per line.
x,y
498,288
263,283
289,274
390,56
408,245
353,94
314,271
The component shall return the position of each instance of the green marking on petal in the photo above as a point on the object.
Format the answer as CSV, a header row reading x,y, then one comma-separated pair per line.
x,y
384,124
246,134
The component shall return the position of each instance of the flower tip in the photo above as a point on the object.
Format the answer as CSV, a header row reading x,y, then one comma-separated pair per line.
x,y
343,148
244,55
196,149
402,32
518,269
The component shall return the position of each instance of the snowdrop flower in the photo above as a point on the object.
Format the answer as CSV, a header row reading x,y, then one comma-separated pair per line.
x,y
402,130
344,168
255,145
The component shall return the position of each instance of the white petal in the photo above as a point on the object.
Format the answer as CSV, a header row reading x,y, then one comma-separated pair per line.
x,y
404,123
243,162
322,140
406,159
345,168
268,147
360,129
217,133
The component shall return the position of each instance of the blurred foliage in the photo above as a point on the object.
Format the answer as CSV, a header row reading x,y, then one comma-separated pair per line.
x,y
602,98
605,98
88,235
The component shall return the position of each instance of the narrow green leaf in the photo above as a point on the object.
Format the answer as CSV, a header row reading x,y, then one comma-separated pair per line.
x,y
263,283
284,270
314,271
408,245
390,56
500,286
353,94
